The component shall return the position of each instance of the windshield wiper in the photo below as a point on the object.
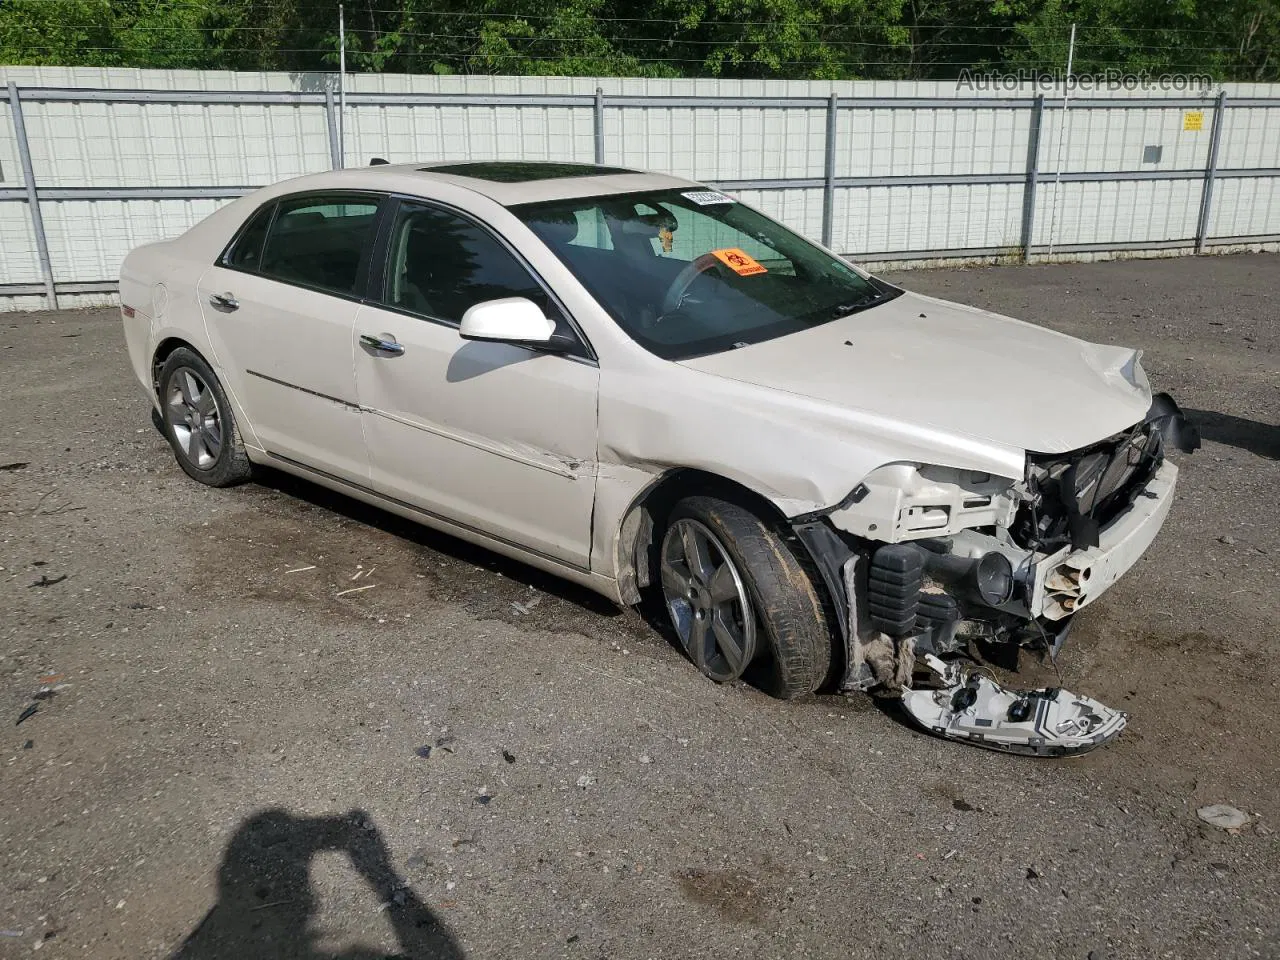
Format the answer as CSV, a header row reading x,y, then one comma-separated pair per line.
x,y
844,309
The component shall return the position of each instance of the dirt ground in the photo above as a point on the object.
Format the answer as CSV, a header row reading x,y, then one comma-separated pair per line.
x,y
472,759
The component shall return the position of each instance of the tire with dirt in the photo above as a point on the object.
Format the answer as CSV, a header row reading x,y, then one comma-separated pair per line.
x,y
198,423
734,591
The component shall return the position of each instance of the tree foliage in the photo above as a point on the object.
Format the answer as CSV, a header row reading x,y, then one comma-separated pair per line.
x,y
795,39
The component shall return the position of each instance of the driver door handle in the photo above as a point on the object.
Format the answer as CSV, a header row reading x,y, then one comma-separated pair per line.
x,y
224,301
382,346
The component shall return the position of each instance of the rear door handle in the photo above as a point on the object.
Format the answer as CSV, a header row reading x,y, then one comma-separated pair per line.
x,y
224,301
381,345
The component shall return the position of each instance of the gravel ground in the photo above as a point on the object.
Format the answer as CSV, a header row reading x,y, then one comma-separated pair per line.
x,y
236,755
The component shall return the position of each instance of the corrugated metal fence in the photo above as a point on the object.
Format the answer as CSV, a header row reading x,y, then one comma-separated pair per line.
x,y
95,162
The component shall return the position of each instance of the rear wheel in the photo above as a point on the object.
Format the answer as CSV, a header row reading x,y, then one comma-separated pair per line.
x,y
734,590
198,422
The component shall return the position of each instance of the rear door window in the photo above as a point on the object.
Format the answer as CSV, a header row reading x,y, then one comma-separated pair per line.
x,y
320,242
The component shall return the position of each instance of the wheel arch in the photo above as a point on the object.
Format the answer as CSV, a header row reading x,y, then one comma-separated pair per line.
x,y
163,349
645,518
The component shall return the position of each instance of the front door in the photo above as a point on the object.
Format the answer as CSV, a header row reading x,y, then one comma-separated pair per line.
x,y
280,310
496,437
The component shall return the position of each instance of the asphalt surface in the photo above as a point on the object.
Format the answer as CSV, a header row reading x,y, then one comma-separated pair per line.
x,y
235,758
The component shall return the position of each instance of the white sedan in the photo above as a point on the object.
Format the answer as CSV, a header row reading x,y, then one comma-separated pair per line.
x,y
635,381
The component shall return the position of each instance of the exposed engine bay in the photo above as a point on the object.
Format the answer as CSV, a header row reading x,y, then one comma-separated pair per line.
x,y
1009,564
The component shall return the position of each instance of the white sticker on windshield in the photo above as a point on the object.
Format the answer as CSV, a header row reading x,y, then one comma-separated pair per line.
x,y
705,198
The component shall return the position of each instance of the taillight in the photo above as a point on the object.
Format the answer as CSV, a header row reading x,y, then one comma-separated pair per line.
x,y
128,311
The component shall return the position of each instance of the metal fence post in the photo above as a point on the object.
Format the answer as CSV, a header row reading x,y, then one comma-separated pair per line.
x,y
1033,175
1210,170
829,171
331,119
599,125
33,196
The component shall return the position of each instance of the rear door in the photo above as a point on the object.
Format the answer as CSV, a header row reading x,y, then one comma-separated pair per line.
x,y
280,309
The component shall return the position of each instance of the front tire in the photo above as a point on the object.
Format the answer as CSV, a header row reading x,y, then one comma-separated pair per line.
x,y
733,589
198,422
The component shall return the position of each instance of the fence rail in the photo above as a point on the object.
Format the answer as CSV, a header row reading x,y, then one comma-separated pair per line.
x,y
1029,175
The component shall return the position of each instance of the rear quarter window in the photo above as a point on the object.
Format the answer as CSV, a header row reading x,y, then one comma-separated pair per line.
x,y
245,252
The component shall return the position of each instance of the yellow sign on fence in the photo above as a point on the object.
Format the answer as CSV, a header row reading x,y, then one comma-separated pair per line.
x,y
1193,120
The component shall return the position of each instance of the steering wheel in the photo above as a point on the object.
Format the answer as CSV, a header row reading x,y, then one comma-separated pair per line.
x,y
684,279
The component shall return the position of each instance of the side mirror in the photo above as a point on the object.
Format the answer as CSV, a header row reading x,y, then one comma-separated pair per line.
x,y
512,320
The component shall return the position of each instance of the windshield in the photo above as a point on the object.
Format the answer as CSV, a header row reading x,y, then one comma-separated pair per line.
x,y
691,272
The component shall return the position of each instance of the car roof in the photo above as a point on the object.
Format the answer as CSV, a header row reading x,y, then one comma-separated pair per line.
x,y
511,182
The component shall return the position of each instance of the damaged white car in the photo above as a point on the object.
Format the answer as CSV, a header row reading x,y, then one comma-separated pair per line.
x,y
637,382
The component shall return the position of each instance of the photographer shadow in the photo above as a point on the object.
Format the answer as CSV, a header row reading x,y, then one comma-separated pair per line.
x,y
267,906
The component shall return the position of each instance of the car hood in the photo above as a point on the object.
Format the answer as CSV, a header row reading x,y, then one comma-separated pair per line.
x,y
944,366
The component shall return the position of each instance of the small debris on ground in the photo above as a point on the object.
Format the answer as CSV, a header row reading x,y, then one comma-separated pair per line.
x,y
301,569
508,756
16,465
27,713
47,581
1031,874
527,606
445,743
10,933
961,805
1223,816
28,745
644,758
1229,540
424,752
586,780
343,593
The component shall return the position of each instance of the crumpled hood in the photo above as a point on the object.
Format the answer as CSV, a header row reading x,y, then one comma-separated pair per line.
x,y
954,368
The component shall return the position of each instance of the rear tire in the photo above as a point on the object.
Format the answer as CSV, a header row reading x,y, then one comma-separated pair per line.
x,y
785,608
198,423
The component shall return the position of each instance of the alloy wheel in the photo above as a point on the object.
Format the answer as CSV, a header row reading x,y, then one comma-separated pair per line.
x,y
707,600
191,410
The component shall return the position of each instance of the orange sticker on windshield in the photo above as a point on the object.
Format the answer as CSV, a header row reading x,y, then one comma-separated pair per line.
x,y
740,263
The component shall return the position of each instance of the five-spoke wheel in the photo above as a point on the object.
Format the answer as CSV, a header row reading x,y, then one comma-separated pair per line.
x,y
198,421
707,600
736,591
192,415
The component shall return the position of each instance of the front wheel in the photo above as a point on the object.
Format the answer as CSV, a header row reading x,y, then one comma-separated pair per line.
x,y
734,590
198,422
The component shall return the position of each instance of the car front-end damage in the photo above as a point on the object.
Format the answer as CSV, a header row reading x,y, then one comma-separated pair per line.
x,y
922,560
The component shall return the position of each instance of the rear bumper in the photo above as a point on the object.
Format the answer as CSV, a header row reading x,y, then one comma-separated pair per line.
x,y
1070,579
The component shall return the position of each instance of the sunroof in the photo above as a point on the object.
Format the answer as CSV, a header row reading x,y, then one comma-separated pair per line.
x,y
519,171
